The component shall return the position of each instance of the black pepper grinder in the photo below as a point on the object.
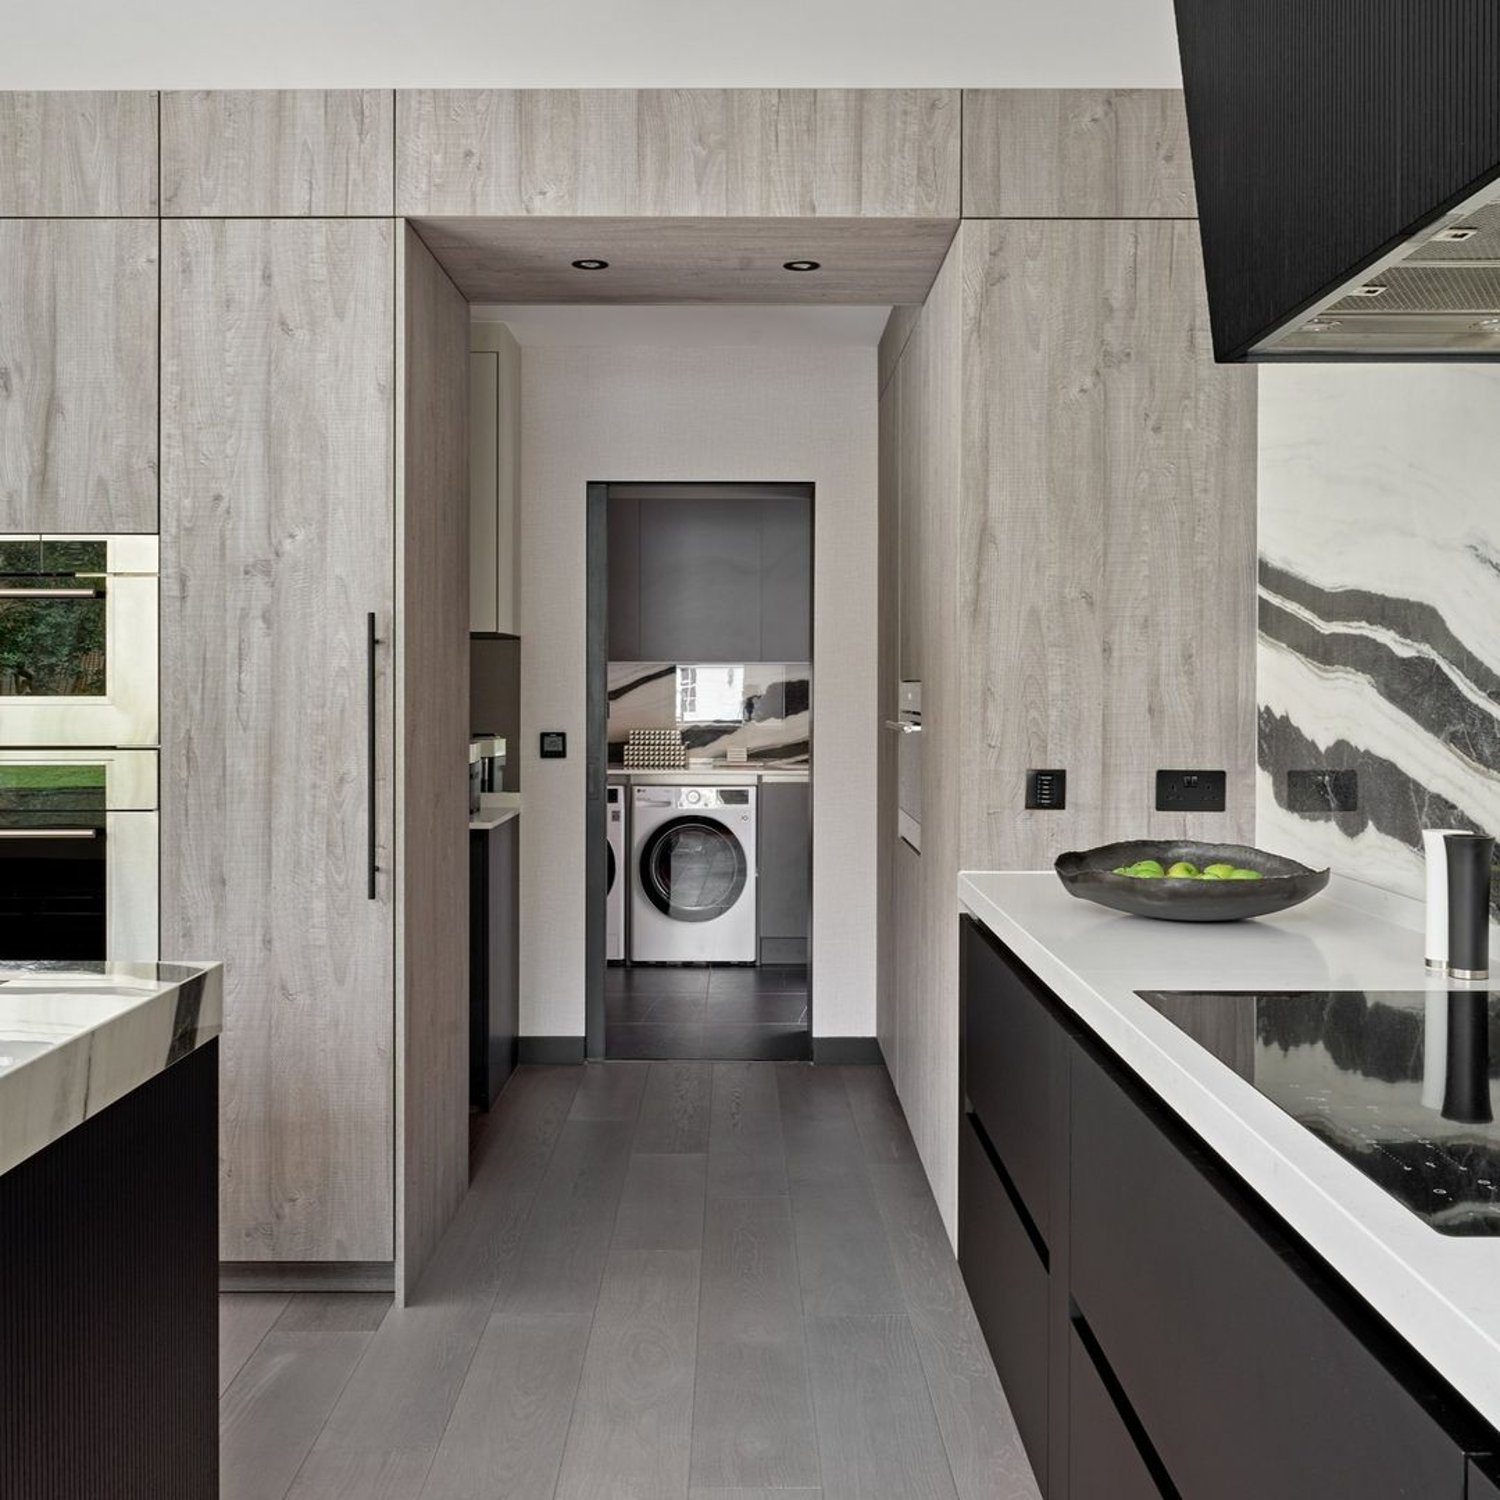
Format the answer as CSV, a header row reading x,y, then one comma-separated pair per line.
x,y
1470,858
1466,1091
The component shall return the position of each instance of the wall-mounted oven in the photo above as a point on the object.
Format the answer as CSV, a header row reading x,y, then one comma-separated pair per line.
x,y
78,855
78,640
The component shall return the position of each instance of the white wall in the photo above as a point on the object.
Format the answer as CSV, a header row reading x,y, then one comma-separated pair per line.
x,y
1380,597
589,44
618,413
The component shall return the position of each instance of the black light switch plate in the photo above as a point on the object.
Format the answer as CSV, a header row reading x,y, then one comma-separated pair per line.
x,y
1322,791
1190,791
1047,789
554,745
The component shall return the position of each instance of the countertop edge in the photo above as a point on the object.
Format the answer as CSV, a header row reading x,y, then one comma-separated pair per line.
x,y
83,1074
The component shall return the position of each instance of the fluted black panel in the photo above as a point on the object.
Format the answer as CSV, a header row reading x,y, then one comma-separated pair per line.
x,y
108,1301
1324,132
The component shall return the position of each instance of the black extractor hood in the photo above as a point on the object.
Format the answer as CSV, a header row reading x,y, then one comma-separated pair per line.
x,y
1346,155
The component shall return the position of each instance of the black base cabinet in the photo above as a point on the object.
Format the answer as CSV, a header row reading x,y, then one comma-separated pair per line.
x,y
1189,1344
494,960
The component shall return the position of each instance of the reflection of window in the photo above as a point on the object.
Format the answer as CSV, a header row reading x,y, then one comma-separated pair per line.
x,y
710,695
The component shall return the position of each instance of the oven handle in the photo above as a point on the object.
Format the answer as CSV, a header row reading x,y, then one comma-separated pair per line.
x,y
52,593
49,833
372,640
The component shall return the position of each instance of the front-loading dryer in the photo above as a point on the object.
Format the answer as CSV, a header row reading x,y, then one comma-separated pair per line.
x,y
615,878
692,897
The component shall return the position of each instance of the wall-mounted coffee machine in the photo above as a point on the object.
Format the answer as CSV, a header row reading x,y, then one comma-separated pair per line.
x,y
79,871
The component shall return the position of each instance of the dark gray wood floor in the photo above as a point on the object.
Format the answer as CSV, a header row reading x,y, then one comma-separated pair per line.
x,y
670,1281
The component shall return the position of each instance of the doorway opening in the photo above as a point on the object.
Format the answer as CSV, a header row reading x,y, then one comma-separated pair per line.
x,y
700,646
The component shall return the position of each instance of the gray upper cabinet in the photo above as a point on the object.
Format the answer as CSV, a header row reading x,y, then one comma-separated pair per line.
x,y
277,152
700,153
1076,154
700,580
698,577
86,155
78,378
278,443
786,554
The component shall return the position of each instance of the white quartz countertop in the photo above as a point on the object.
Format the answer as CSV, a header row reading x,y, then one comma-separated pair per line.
x,y
746,775
74,1038
1441,1292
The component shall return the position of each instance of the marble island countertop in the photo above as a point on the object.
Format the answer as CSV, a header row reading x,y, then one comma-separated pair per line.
x,y
1440,1292
74,1038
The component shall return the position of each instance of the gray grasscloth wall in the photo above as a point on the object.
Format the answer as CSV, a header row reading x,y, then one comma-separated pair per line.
x,y
1379,608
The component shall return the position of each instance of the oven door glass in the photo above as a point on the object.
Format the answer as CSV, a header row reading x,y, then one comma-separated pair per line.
x,y
53,869
53,619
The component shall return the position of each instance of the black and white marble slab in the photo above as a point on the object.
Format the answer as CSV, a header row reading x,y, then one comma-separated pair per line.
x,y
774,725
76,1037
1379,645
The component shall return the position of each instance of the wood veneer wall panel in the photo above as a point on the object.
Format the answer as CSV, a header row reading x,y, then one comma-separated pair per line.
x,y
1108,545
432,1153
78,378
282,152
1076,154
77,154
678,152
277,479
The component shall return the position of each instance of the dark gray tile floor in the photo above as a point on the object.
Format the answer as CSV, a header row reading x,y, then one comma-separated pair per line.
x,y
669,1281
729,1012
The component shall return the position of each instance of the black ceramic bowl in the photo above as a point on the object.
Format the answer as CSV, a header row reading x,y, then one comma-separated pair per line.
x,y
1088,874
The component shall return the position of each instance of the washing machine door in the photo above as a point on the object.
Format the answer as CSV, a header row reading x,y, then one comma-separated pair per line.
x,y
609,879
693,869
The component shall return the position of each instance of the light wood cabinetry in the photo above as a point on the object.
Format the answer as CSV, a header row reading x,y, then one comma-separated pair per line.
x,y
1076,154
278,453
72,155
494,479
280,152
78,378
1107,583
432,875
772,153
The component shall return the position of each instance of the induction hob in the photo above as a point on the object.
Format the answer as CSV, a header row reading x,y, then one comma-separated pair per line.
x,y
1399,1082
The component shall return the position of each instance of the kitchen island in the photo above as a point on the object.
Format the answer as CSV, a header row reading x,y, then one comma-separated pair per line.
x,y
1180,1195
108,1231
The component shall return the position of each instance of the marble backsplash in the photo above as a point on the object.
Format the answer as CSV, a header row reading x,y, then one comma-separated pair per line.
x,y
773,723
1379,646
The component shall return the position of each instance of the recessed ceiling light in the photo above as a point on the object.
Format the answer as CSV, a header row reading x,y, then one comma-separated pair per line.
x,y
1369,289
801,265
591,265
1456,235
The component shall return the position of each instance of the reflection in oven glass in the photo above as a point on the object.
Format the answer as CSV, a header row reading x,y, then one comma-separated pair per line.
x,y
52,619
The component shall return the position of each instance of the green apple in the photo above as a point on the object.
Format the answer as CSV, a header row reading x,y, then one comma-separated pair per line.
x,y
1219,871
1183,870
1241,874
1150,868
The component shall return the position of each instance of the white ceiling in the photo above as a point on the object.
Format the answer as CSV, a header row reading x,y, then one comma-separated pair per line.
x,y
724,326
587,43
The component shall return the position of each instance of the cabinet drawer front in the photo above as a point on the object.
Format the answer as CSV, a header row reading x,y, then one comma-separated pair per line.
x,y
1246,1380
1102,1456
1008,1038
1008,1286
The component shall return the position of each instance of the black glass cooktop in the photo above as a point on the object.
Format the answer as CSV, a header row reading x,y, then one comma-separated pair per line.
x,y
1399,1082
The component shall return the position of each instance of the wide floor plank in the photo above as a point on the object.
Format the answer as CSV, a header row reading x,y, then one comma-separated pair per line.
x,y
877,1434
632,1420
752,1415
746,1148
245,1318
675,1108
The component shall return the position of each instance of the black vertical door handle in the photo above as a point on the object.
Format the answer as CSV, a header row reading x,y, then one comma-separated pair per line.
x,y
371,762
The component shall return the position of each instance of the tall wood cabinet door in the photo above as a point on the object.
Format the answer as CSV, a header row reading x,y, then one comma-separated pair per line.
x,y
78,407
277,514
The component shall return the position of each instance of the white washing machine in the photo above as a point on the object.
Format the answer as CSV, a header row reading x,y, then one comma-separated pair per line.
x,y
615,883
692,897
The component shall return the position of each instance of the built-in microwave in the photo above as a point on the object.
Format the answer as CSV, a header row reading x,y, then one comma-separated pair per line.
x,y
79,855
78,640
